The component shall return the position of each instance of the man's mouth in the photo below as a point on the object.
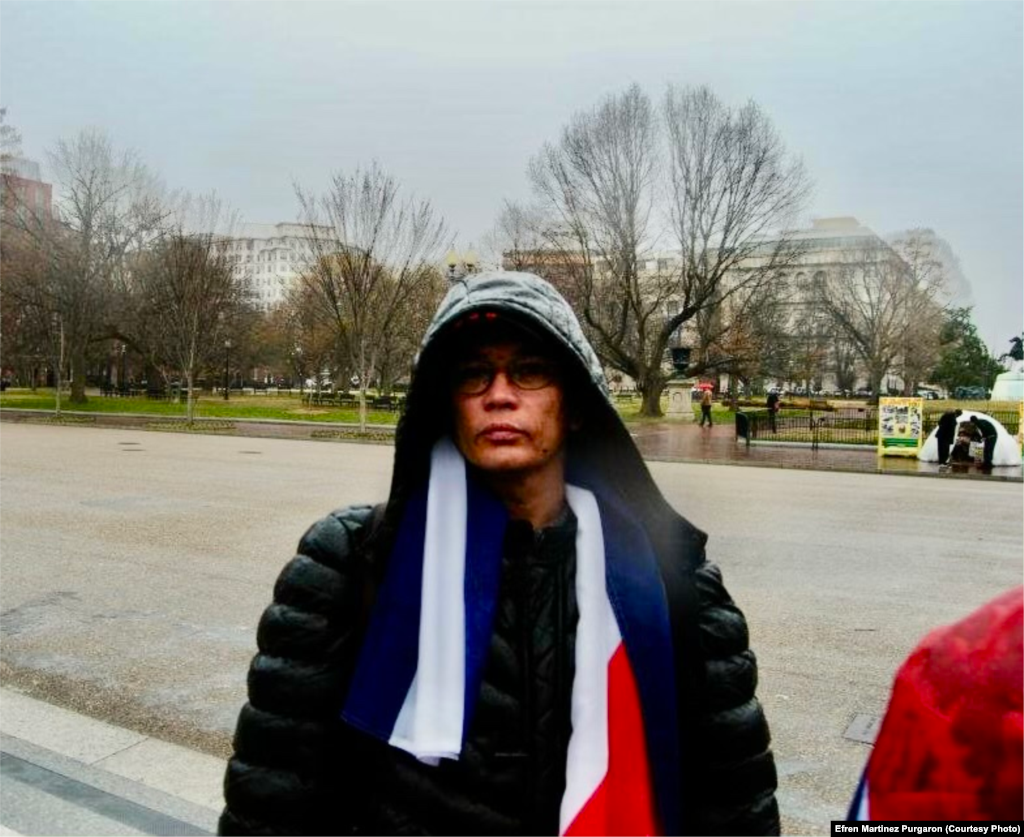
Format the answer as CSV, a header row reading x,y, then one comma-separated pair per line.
x,y
501,433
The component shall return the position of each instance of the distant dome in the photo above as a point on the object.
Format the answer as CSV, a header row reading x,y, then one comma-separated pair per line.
x,y
1009,386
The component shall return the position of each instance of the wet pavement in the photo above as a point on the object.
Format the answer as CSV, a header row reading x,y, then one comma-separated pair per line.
x,y
672,441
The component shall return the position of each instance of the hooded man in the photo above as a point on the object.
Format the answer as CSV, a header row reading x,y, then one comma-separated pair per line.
x,y
526,639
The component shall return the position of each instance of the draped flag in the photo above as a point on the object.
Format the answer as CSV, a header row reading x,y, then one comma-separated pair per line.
x,y
432,623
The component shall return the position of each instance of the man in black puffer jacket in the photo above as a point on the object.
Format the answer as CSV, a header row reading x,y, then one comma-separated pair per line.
x,y
526,639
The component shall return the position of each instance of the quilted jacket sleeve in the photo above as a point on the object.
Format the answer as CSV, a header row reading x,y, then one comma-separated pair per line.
x,y
733,773
287,772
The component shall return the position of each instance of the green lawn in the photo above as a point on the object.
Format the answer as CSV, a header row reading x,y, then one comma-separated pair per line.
x,y
280,407
289,407
284,407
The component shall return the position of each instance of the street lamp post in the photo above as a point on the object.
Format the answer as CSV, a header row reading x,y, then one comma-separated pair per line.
x,y
227,366
58,322
121,384
461,264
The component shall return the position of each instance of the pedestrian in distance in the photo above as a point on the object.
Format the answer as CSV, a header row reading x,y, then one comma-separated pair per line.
x,y
525,639
945,433
773,407
705,408
951,744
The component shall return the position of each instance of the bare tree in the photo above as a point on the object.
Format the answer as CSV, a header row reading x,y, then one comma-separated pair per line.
x,y
311,334
598,184
108,205
412,318
10,141
843,362
747,337
372,249
189,291
872,300
930,265
517,240
9,147
25,329
712,181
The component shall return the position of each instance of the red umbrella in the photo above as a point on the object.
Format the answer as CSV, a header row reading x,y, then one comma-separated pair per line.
x,y
705,385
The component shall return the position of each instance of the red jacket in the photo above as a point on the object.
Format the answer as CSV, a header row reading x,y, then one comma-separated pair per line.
x,y
951,745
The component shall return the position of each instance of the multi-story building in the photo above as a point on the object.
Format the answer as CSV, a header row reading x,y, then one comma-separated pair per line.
x,y
831,248
270,257
24,192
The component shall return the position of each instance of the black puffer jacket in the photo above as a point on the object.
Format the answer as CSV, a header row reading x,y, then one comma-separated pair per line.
x,y
297,769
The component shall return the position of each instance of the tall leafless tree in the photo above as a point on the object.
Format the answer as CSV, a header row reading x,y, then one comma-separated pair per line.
x,y
188,291
314,343
872,300
372,248
710,182
9,145
10,141
931,266
107,206
517,240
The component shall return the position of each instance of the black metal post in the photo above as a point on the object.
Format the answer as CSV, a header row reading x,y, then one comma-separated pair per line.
x,y
227,367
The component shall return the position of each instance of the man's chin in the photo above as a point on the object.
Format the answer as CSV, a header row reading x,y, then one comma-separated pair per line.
x,y
508,461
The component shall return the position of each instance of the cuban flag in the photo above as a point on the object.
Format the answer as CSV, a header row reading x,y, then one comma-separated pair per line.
x,y
608,780
433,619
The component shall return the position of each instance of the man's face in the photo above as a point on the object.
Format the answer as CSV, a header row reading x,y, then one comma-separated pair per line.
x,y
509,409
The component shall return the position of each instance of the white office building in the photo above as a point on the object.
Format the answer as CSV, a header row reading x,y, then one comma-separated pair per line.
x,y
270,257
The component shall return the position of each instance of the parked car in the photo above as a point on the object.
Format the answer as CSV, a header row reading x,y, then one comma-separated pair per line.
x,y
928,394
971,393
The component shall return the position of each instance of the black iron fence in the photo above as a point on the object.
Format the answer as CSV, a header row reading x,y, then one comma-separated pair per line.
x,y
842,426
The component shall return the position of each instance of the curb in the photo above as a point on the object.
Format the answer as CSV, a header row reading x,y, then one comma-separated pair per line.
x,y
165,780
263,428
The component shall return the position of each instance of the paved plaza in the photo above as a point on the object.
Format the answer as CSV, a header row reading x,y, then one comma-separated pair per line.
x,y
136,564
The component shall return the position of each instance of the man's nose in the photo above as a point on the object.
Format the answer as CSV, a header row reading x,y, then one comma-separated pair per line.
x,y
501,391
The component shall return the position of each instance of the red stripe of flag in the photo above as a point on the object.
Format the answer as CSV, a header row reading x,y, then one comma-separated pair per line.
x,y
624,801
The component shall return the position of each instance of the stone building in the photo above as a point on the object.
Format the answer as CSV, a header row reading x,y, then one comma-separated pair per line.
x,y
270,257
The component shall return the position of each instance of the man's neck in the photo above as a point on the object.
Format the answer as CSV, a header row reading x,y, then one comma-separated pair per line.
x,y
535,496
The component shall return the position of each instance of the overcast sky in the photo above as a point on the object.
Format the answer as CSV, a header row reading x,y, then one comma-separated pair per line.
x,y
906,113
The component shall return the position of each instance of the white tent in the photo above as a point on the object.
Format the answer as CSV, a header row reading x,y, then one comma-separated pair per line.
x,y
1007,450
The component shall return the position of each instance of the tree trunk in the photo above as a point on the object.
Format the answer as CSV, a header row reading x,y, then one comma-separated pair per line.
x,y
876,385
650,405
362,404
77,375
190,404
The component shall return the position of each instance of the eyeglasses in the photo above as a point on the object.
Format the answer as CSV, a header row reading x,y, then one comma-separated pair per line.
x,y
529,374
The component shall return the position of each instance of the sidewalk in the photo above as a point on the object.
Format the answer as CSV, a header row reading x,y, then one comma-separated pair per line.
x,y
65,773
671,441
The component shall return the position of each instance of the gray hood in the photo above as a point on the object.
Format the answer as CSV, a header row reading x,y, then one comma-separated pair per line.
x,y
602,445
527,296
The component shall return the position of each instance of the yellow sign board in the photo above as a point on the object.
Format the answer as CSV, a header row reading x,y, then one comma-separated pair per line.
x,y
900,426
